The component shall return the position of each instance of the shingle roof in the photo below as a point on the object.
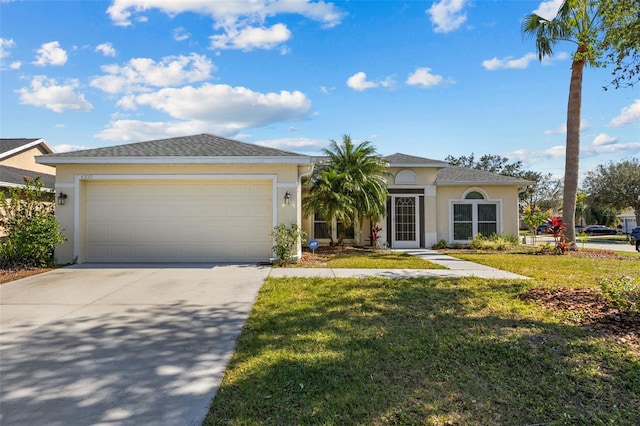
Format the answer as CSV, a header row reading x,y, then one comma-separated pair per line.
x,y
11,144
203,145
15,176
404,160
452,175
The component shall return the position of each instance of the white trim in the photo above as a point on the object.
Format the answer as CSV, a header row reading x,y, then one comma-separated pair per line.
x,y
437,165
101,177
172,160
499,213
19,185
25,147
405,244
287,185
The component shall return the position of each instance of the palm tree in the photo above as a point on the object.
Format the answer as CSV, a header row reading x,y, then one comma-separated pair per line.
x,y
349,186
577,21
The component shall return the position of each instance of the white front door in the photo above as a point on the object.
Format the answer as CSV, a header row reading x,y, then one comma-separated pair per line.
x,y
405,222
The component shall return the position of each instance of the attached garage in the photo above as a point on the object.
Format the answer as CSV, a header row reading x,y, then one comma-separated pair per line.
x,y
217,220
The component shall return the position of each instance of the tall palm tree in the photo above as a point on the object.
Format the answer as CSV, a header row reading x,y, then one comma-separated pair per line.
x,y
349,186
577,21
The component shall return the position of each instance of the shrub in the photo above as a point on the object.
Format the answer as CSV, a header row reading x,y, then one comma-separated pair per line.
x,y
440,245
31,227
477,243
286,242
622,293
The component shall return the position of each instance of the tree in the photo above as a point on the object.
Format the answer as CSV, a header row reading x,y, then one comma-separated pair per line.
x,y
616,185
488,162
545,193
593,26
622,40
349,186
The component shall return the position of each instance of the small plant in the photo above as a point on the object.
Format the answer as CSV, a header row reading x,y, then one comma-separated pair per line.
x,y
287,241
477,243
534,217
557,229
623,293
583,237
375,235
440,245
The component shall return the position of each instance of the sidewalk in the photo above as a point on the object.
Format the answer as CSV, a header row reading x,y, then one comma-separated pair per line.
x,y
457,268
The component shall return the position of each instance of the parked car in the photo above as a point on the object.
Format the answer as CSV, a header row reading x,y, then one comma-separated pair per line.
x,y
599,230
545,228
635,235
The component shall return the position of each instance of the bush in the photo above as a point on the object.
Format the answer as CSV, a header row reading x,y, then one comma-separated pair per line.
x,y
622,293
494,242
32,230
440,245
286,242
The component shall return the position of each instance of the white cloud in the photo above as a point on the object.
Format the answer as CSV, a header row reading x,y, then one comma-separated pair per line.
x,y
295,144
139,74
46,92
180,34
423,77
603,139
562,129
67,148
447,15
51,54
627,115
249,38
219,109
548,9
106,49
509,62
359,82
5,45
556,57
15,65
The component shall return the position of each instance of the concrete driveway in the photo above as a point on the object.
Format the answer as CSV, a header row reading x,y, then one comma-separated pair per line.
x,y
120,345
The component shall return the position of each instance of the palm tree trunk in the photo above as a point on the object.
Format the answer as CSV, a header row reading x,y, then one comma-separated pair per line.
x,y
572,156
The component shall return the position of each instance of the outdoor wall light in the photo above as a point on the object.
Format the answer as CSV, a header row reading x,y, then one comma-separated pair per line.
x,y
61,198
287,198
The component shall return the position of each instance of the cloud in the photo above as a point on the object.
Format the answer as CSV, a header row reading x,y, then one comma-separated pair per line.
x,y
249,38
46,92
219,109
5,45
106,49
68,148
627,115
180,34
295,144
141,74
50,54
584,125
548,9
359,82
447,15
509,62
15,65
556,57
603,139
423,77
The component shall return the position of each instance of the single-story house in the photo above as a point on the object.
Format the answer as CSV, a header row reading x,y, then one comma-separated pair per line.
x,y
17,160
205,198
628,220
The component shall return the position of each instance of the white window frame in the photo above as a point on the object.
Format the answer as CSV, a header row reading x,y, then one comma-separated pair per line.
x,y
474,212
333,229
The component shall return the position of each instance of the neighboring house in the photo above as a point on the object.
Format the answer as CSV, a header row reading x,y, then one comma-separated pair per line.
x,y
205,198
17,160
628,220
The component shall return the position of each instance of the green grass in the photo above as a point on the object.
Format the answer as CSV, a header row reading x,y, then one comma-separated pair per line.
x,y
424,351
380,259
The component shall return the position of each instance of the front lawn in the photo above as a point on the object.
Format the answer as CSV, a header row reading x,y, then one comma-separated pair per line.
x,y
362,258
427,351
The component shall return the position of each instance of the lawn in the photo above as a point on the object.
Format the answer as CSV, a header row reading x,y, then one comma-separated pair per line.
x,y
362,258
428,351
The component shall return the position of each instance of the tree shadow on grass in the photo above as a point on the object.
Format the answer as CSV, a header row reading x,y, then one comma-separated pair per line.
x,y
419,351
156,365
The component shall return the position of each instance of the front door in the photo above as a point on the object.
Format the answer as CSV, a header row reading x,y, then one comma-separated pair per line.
x,y
405,223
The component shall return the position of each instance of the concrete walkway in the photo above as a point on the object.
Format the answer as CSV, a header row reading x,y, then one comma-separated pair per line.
x,y
457,268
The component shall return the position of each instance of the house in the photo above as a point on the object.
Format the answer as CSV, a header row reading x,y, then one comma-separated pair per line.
x,y
627,220
17,160
205,198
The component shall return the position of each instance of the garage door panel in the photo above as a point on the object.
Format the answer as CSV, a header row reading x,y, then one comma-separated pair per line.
x,y
169,221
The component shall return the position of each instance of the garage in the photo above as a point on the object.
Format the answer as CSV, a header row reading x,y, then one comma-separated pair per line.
x,y
187,220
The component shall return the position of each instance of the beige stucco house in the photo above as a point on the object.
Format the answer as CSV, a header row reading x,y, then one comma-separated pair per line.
x,y
17,160
205,198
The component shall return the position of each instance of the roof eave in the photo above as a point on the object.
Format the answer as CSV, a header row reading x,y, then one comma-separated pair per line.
x,y
53,160
425,165
27,146
480,183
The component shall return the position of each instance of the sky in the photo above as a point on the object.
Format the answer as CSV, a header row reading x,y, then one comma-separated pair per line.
x,y
425,78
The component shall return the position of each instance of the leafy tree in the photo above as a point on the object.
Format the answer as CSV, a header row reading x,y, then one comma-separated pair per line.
x,y
622,40
592,25
349,186
31,227
615,185
545,193
488,162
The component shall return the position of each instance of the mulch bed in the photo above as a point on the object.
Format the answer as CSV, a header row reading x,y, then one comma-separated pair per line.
x,y
323,254
8,275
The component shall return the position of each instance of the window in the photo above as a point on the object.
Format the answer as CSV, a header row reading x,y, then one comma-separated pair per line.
x,y
322,230
474,215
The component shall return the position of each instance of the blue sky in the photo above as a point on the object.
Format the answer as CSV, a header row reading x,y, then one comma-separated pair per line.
x,y
449,77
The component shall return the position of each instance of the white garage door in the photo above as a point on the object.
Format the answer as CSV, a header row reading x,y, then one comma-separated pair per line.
x,y
178,221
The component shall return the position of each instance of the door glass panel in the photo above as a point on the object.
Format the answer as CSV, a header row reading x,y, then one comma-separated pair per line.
x,y
405,213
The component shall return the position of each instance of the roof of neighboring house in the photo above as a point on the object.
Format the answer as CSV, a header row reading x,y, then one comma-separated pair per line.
x,y
452,175
12,146
404,160
12,176
185,149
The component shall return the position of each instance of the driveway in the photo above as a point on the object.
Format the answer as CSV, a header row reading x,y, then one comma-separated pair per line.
x,y
120,345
